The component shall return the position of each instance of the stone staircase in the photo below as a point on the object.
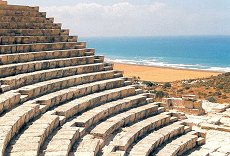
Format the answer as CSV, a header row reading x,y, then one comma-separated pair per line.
x,y
58,98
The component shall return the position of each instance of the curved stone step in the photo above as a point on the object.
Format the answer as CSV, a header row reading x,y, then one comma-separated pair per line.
x,y
150,142
62,83
12,121
36,47
89,101
62,143
64,95
42,55
134,115
93,116
23,25
111,107
35,134
89,146
26,19
123,140
18,7
5,40
43,132
21,80
8,100
30,13
179,146
33,32
20,68
15,119
107,127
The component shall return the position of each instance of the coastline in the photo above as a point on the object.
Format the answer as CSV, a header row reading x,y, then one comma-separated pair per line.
x,y
162,74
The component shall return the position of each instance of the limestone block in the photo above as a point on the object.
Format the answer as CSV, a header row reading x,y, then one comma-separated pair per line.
x,y
198,104
86,153
65,145
188,104
214,120
26,153
225,121
200,141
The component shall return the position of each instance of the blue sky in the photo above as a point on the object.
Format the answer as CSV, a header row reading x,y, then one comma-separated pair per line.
x,y
138,17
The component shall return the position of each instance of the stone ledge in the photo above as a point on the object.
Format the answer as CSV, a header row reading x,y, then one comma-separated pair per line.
x,y
3,2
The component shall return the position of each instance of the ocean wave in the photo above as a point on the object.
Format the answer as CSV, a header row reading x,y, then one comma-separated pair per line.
x,y
159,63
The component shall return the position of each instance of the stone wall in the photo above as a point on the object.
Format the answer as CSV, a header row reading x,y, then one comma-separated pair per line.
x,y
187,104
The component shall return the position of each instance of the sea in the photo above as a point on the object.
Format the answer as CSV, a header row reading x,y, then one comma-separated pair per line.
x,y
187,52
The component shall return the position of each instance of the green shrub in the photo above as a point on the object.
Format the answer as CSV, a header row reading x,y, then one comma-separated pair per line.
x,y
149,83
161,94
167,85
220,86
211,99
227,74
217,93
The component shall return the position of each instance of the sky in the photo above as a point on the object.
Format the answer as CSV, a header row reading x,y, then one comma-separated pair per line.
x,y
138,17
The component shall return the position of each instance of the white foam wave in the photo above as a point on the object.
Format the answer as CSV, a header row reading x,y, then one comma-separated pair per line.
x,y
159,63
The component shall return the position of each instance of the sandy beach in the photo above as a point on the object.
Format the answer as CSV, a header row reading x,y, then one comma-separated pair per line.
x,y
161,74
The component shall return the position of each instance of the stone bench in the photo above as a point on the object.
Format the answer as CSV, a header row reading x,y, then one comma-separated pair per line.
x,y
13,121
20,115
8,100
99,59
133,115
89,146
179,145
128,102
23,25
21,80
94,115
34,136
20,68
33,32
106,128
18,7
89,51
36,47
53,144
128,135
42,55
150,142
62,83
62,142
76,106
5,40
26,19
30,13
58,97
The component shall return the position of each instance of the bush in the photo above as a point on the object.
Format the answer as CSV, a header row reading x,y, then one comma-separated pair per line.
x,y
152,91
187,87
227,74
211,99
224,97
149,83
167,85
161,94
217,93
220,86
